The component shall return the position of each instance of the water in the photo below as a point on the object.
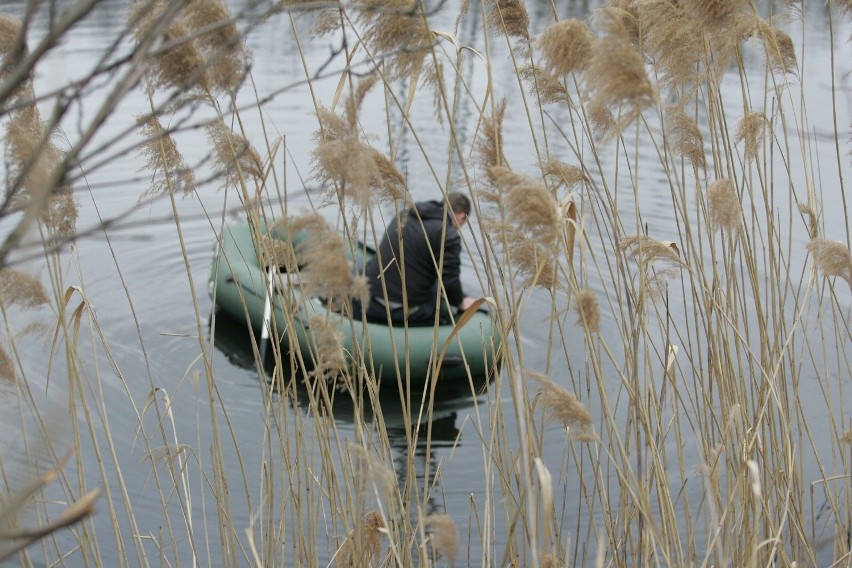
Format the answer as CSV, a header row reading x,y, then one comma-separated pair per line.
x,y
134,280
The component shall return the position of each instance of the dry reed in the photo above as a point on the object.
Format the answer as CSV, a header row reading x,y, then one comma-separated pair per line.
x,y
560,406
566,46
342,161
588,311
562,174
673,41
163,159
322,257
617,79
812,218
329,357
715,13
686,137
544,85
10,36
396,31
236,160
178,64
219,41
620,18
751,129
35,162
649,251
777,44
531,206
723,205
13,49
733,400
510,17
275,252
21,289
443,537
489,145
363,545
832,258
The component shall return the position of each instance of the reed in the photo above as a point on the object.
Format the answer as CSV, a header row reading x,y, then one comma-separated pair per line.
x,y
663,259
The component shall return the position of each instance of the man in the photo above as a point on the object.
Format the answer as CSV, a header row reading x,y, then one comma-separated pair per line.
x,y
415,242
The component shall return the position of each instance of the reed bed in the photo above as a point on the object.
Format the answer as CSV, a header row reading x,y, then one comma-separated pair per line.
x,y
688,407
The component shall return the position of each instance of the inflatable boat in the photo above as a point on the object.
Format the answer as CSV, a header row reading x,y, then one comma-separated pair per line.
x,y
274,303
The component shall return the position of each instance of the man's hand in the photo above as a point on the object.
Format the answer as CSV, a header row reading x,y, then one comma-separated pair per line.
x,y
466,303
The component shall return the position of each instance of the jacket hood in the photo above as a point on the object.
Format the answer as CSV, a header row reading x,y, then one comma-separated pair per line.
x,y
431,210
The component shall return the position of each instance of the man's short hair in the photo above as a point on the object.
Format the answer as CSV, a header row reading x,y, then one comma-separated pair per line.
x,y
459,202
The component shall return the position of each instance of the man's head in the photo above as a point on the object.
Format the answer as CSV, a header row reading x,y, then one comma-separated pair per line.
x,y
460,205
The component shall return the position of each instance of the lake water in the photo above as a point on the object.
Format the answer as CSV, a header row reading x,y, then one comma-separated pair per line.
x,y
135,282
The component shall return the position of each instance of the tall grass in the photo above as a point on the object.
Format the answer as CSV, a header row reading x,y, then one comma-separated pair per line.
x,y
679,371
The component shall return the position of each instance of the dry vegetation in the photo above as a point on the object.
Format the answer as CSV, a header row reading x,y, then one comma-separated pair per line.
x,y
674,366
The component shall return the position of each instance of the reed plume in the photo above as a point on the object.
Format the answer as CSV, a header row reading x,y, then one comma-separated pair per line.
x,y
723,205
34,164
617,79
560,406
751,129
275,252
673,41
369,471
363,544
342,160
220,43
588,311
715,13
600,118
562,174
832,258
510,17
686,137
813,220
21,289
620,18
648,251
537,264
544,85
658,261
489,145
533,261
531,205
13,49
177,62
398,32
443,537
163,159
10,36
329,356
779,48
7,367
236,160
566,46
322,258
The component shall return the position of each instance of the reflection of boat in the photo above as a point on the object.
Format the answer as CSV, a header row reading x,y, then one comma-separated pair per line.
x,y
238,286
417,438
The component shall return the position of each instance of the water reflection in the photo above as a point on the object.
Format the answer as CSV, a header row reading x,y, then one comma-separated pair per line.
x,y
418,443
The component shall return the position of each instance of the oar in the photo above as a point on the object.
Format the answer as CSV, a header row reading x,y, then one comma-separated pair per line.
x,y
265,330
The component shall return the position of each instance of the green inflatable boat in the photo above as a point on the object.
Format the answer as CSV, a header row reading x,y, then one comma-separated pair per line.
x,y
239,286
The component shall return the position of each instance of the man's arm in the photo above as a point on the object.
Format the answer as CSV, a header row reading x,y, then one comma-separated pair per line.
x,y
451,275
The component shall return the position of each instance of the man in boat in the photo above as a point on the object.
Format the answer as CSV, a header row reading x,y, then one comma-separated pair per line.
x,y
421,240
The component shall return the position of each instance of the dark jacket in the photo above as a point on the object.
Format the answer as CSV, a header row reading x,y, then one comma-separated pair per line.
x,y
420,232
